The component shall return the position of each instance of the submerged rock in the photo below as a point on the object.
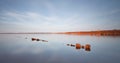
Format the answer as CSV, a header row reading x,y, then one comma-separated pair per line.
x,y
44,41
25,37
68,44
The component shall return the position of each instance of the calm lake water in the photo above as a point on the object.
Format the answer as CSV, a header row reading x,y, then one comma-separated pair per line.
x,y
19,48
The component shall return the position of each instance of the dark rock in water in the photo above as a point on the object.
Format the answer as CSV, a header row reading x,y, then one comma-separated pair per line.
x,y
82,47
33,39
78,46
87,47
37,39
72,45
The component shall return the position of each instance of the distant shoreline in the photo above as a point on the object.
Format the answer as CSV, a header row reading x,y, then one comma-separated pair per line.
x,y
98,33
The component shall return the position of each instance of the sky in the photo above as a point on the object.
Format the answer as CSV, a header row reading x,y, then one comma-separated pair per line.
x,y
59,15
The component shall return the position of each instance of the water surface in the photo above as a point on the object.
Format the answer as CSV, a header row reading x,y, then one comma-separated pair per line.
x,y
19,48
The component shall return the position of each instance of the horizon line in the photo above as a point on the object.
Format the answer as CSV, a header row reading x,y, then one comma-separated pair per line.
x,y
56,32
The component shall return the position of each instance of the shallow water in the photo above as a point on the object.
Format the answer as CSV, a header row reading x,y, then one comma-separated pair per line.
x,y
19,48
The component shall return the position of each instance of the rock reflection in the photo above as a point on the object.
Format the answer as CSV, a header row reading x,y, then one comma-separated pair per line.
x,y
87,47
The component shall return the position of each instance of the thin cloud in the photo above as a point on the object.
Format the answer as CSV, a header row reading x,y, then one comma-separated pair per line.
x,y
37,21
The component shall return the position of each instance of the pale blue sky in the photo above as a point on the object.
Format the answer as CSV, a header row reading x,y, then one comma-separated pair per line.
x,y
58,15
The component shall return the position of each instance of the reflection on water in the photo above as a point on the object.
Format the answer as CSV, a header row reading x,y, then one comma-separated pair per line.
x,y
87,47
19,48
